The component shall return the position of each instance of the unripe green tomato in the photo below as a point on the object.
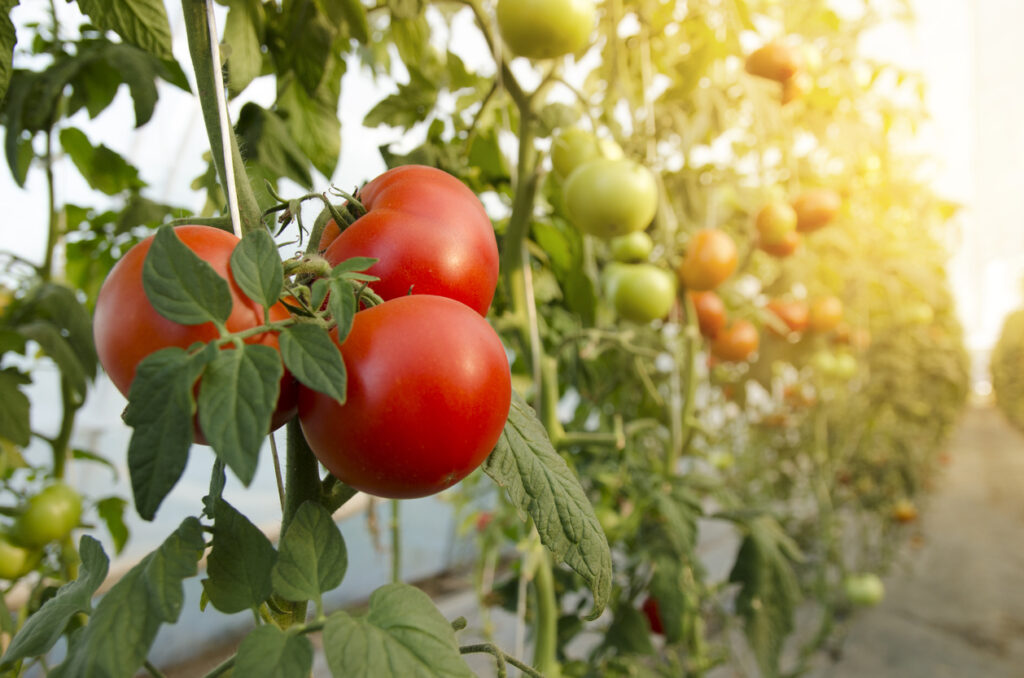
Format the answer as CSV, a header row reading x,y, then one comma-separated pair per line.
x,y
635,246
644,292
544,29
574,146
16,561
846,366
864,589
610,276
608,198
824,363
49,516
776,222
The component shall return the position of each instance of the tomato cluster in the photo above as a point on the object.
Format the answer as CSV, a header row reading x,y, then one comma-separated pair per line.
x,y
48,516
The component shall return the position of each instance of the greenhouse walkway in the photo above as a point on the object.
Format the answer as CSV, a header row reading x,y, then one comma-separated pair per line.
x,y
954,606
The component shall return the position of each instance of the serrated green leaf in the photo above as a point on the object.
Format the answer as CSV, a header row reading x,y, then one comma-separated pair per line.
x,y
111,510
120,632
342,305
540,484
309,36
241,34
269,652
45,627
7,41
628,634
312,558
256,266
160,409
17,149
237,396
142,23
313,123
181,286
402,636
413,102
355,16
14,421
314,359
104,169
240,563
59,305
57,348
269,149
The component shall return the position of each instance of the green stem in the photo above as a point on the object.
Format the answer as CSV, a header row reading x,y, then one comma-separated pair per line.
x,y
501,658
549,399
198,32
545,657
683,422
60,442
396,543
53,233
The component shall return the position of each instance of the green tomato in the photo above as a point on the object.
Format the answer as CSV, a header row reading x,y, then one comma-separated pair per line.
x,y
16,561
544,29
846,366
49,516
608,198
635,246
610,278
864,589
574,146
824,363
644,292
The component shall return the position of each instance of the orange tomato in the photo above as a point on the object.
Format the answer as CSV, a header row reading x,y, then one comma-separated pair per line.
x,y
775,61
710,312
825,314
736,343
711,258
816,208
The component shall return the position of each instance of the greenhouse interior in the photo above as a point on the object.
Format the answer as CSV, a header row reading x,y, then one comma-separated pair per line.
x,y
718,371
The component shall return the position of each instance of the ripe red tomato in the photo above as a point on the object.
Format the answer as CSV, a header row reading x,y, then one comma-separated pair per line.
x,y
429,390
825,314
794,313
430,233
736,343
775,61
710,258
127,328
543,29
775,221
650,610
710,313
784,247
815,208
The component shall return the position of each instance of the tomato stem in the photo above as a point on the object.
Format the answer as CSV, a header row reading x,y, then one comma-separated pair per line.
x,y
545,658
396,542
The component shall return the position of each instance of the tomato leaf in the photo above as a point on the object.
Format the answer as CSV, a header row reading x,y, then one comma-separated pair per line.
x,y
240,563
236,400
121,630
49,338
312,121
181,286
111,510
241,32
59,305
256,266
142,23
269,149
7,41
403,635
312,356
540,484
14,421
353,264
312,558
44,628
342,305
628,634
769,591
160,409
104,169
269,652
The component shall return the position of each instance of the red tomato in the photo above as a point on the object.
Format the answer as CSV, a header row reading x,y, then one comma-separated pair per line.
x,y
710,312
784,247
711,257
650,610
429,391
127,328
794,313
430,233
736,343
825,314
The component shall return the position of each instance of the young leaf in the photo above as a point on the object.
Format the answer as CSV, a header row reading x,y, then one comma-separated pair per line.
x,y
402,636
181,286
240,563
352,13
312,356
86,455
14,422
268,148
539,483
7,40
312,557
269,652
313,122
103,168
256,266
58,304
57,348
236,399
160,409
142,23
44,628
351,265
342,305
240,32
769,591
120,632
111,510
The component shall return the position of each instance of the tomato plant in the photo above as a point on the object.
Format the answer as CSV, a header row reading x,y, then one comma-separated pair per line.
x,y
608,198
428,395
543,30
127,328
711,257
643,292
430,234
